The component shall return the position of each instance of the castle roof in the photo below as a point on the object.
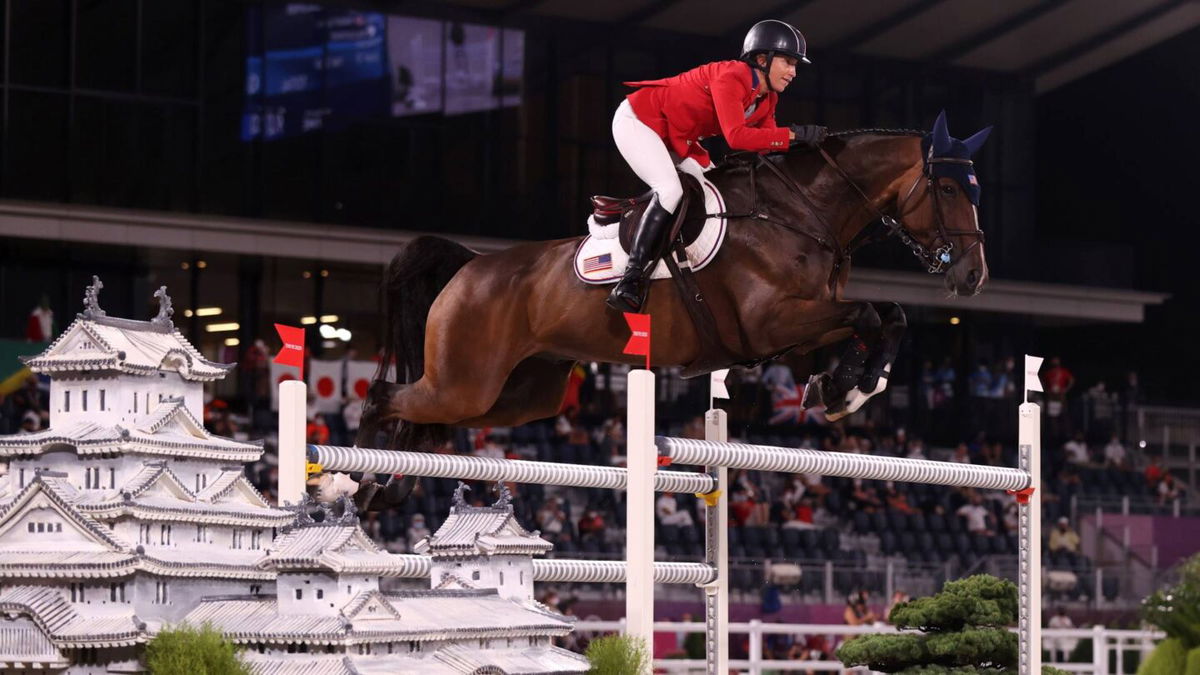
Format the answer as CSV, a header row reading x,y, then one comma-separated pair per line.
x,y
66,627
169,430
482,530
377,617
127,346
339,547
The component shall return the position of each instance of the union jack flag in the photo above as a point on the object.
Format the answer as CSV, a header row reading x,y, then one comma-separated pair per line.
x,y
785,405
597,263
972,180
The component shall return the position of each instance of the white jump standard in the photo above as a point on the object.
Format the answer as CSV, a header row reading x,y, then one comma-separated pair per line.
x,y
643,476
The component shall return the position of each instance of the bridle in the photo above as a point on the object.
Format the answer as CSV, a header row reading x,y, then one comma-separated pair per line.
x,y
937,260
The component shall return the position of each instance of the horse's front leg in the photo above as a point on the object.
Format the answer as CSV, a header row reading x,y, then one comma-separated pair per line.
x,y
859,324
873,378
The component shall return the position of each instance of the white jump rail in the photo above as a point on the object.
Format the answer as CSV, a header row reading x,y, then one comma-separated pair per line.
x,y
643,476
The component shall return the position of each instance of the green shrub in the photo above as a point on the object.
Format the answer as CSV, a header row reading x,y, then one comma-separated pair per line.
x,y
1176,610
187,650
1193,662
1168,658
618,655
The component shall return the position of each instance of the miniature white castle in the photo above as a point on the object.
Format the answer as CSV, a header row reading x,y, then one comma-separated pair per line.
x,y
126,516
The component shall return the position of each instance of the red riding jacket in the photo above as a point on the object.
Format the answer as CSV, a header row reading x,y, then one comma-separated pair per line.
x,y
705,101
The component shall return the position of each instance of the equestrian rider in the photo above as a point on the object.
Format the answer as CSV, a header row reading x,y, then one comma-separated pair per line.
x,y
659,127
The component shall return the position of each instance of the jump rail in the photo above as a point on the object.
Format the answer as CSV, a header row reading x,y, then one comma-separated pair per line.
x,y
576,571
844,464
370,460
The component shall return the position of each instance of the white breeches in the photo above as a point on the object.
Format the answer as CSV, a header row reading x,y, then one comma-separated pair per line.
x,y
649,158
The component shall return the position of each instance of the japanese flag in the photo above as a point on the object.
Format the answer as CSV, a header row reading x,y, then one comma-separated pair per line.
x,y
325,385
359,375
279,373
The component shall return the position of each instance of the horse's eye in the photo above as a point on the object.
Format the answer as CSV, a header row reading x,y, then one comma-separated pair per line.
x,y
948,190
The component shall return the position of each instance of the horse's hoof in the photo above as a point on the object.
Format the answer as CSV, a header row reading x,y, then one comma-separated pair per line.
x,y
814,391
397,490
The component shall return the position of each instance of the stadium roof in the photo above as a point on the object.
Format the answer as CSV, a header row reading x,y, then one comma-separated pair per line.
x,y
1051,41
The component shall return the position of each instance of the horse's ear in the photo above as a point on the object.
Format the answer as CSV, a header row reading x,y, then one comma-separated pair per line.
x,y
976,142
941,134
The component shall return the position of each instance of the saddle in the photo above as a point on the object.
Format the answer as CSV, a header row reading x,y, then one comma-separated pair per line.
x,y
688,227
628,210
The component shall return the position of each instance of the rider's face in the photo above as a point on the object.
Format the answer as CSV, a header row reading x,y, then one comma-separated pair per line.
x,y
783,71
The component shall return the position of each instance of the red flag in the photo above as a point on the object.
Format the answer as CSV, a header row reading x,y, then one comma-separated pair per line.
x,y
292,353
639,342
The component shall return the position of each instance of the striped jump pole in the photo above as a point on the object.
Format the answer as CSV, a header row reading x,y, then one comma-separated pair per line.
x,y
564,570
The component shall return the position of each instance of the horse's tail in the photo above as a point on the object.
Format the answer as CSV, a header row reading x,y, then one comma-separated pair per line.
x,y
415,277
413,280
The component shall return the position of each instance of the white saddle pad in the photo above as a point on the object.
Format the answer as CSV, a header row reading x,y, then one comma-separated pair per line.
x,y
600,259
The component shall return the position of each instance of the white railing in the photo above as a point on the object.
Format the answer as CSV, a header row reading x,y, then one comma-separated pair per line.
x,y
1116,643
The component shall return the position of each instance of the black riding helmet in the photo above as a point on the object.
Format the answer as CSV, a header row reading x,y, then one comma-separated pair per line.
x,y
773,37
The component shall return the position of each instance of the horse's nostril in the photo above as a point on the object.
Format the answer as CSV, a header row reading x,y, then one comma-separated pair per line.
x,y
972,277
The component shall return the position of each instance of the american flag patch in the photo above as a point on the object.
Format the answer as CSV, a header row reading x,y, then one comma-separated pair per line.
x,y
972,180
597,263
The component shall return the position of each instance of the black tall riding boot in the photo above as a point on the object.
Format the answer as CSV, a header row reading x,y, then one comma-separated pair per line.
x,y
644,252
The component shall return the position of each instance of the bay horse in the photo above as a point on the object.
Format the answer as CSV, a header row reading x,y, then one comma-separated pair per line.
x,y
489,340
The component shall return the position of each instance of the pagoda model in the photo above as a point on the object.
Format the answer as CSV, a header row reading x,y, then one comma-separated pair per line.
x,y
127,516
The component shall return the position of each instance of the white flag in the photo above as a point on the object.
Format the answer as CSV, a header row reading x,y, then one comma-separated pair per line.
x,y
325,383
1032,365
717,383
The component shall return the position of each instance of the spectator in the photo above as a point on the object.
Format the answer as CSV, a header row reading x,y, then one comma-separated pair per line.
x,y
1154,473
961,454
591,526
898,501
30,423
857,613
898,597
491,447
975,515
981,381
916,449
668,511
1058,380
318,431
1064,538
945,380
416,530
550,519
1012,516
865,498
1060,648
992,454
1169,490
1115,455
1076,449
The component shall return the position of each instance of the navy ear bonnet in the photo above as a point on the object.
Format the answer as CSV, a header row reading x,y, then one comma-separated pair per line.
x,y
939,145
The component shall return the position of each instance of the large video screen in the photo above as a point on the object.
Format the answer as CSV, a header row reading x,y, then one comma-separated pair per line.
x,y
310,66
484,67
415,61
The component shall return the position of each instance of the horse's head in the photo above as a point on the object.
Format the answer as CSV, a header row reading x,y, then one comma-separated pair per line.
x,y
941,222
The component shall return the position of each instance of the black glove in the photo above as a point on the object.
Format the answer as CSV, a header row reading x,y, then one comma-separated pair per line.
x,y
808,134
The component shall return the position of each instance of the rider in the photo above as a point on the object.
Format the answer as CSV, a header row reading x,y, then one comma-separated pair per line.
x,y
660,126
